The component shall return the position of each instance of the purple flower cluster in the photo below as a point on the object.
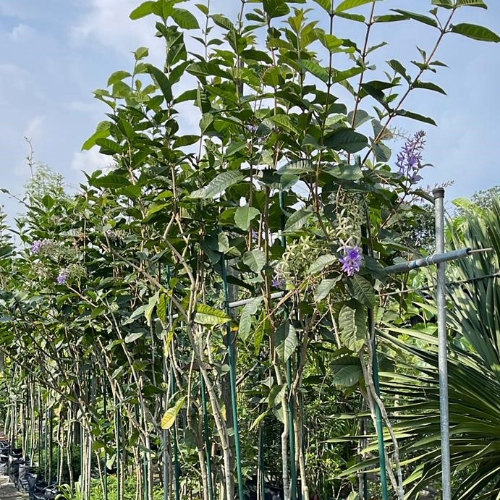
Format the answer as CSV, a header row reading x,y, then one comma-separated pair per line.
x,y
351,262
409,160
63,277
279,281
39,245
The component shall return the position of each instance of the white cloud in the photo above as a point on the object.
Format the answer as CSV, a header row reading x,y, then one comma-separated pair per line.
x,y
84,107
107,22
34,128
22,32
88,161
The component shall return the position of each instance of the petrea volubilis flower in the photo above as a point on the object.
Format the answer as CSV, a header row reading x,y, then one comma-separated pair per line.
x,y
279,281
63,277
39,245
351,262
409,160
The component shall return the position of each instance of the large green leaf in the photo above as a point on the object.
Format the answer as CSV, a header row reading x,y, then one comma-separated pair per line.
x,y
162,81
276,8
244,216
346,139
351,4
216,186
475,32
324,288
297,220
352,326
321,263
246,317
208,315
143,10
285,340
185,19
362,290
255,260
471,3
111,181
168,419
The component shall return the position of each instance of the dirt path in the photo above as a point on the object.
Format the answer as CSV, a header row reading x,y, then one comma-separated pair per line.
x,y
9,492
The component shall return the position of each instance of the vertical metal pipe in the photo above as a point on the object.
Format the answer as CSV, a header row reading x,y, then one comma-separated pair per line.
x,y
378,412
207,438
232,378
291,403
105,415
442,347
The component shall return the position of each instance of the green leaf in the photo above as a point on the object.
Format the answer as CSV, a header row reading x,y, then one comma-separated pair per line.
x,y
207,69
321,262
108,147
255,260
347,371
258,420
139,54
446,4
382,152
102,131
340,76
399,68
208,315
428,86
244,216
361,117
362,290
148,312
417,17
223,22
345,172
219,184
346,139
316,69
162,308
471,3
170,415
161,80
415,116
324,288
110,181
475,32
351,4
145,9
325,4
133,336
285,340
275,395
117,76
296,168
352,326
185,19
186,140
297,220
275,8
283,121
249,310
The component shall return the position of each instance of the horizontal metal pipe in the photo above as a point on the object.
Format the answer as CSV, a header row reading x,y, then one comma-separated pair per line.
x,y
436,258
243,302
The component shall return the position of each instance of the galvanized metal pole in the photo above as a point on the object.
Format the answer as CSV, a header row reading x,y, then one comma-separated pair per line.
x,y
442,347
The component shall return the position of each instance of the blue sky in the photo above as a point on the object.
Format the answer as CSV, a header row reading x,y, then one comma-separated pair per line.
x,y
56,52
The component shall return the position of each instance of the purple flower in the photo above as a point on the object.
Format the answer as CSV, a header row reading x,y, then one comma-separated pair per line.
x,y
409,160
351,262
39,245
279,281
63,277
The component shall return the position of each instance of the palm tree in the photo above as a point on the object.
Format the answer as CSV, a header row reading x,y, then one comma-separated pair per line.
x,y
474,371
